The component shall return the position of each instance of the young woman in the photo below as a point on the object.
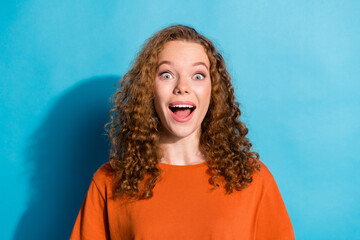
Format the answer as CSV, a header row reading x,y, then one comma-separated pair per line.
x,y
181,166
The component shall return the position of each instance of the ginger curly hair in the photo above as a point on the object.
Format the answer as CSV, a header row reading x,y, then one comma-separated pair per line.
x,y
134,126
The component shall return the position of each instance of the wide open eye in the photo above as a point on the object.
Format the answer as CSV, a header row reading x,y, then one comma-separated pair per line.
x,y
199,76
166,75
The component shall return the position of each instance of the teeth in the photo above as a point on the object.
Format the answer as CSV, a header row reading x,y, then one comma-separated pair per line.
x,y
183,106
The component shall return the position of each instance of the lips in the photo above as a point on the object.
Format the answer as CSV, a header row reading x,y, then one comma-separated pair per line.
x,y
182,103
182,111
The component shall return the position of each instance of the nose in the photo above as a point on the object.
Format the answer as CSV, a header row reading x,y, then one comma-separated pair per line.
x,y
182,86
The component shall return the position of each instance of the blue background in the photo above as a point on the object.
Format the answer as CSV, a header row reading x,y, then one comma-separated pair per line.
x,y
296,70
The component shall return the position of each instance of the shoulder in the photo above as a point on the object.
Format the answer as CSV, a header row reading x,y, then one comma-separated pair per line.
x,y
103,178
264,171
263,177
272,219
104,172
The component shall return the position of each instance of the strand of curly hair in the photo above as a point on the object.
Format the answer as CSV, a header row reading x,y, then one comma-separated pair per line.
x,y
134,126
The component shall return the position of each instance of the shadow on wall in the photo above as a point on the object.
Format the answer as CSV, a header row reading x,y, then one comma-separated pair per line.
x,y
64,152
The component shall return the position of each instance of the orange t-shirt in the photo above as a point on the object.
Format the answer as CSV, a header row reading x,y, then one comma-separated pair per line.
x,y
184,206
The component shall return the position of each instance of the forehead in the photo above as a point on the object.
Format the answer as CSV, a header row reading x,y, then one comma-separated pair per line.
x,y
183,52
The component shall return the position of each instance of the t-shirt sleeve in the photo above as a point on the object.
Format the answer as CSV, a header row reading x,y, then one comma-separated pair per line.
x,y
91,222
272,221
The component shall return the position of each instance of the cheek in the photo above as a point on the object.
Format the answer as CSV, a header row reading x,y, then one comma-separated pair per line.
x,y
157,92
204,96
157,105
159,96
207,92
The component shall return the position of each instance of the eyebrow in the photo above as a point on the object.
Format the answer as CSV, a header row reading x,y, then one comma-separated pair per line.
x,y
195,64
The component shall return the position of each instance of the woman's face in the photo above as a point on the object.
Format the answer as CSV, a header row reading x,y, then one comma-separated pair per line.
x,y
182,88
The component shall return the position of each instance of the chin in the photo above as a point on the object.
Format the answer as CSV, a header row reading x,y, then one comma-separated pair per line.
x,y
181,132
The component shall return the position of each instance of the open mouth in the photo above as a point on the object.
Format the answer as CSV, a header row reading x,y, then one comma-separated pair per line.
x,y
182,111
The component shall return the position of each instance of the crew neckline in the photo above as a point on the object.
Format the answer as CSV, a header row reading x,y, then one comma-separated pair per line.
x,y
183,166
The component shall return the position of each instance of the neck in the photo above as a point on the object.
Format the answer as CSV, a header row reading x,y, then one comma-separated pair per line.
x,y
181,151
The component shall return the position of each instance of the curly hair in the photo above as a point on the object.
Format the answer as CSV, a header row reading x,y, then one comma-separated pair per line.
x,y
134,126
